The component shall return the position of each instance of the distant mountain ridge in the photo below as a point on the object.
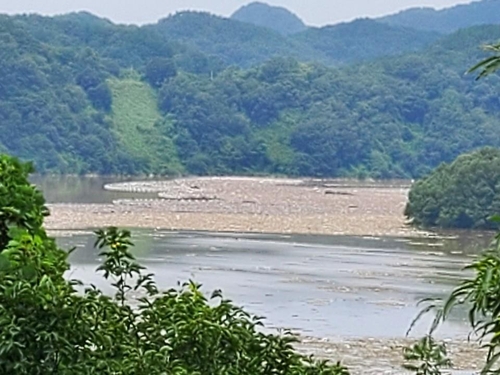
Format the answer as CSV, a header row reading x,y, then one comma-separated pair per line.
x,y
445,21
275,18
365,39
245,44
448,20
234,42
76,96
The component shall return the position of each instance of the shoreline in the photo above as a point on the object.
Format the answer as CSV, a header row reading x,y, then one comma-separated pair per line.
x,y
79,217
247,205
371,356
273,206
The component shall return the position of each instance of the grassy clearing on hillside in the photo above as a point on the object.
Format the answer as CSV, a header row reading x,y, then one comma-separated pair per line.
x,y
277,139
139,125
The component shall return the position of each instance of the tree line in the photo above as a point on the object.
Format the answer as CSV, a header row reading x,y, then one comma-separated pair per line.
x,y
392,117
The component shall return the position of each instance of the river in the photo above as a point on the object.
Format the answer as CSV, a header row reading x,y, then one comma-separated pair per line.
x,y
320,286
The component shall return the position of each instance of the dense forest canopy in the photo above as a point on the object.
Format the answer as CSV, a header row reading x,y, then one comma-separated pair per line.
x,y
450,19
364,39
245,45
231,41
276,18
80,94
462,194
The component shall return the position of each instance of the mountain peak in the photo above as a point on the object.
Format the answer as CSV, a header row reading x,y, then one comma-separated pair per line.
x,y
277,18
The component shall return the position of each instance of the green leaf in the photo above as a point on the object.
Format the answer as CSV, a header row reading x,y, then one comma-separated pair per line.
x,y
4,263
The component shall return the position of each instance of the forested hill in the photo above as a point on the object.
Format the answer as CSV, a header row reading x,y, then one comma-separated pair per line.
x,y
79,94
233,42
245,44
364,39
272,17
258,32
448,20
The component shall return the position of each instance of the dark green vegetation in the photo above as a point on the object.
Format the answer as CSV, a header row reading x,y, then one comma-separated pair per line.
x,y
48,327
232,42
463,194
364,39
479,294
450,19
272,17
79,94
245,45
426,357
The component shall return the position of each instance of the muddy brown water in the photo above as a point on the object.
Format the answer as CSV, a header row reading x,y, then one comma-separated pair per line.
x,y
333,289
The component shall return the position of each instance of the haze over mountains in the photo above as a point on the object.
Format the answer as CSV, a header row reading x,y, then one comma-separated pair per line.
x,y
450,19
429,19
197,93
242,40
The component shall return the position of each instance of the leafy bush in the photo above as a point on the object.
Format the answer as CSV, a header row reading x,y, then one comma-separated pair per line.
x,y
49,324
463,194
426,357
480,295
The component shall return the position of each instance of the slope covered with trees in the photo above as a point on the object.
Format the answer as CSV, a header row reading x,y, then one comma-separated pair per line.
x,y
53,103
448,20
463,194
276,18
393,118
364,39
85,95
61,99
245,45
232,41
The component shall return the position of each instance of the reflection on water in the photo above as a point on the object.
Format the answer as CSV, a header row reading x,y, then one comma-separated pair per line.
x,y
78,189
318,285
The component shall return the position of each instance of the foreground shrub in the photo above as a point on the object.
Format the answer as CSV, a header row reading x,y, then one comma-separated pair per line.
x,y
480,295
50,325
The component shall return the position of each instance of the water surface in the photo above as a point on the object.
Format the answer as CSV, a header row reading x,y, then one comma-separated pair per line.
x,y
82,189
323,286
317,285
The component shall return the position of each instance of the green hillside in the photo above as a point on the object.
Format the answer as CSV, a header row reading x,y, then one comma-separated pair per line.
x,y
234,42
245,44
397,117
461,194
448,20
364,39
139,127
70,101
47,112
276,18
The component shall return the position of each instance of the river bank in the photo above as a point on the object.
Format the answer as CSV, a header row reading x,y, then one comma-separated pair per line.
x,y
372,356
254,205
318,284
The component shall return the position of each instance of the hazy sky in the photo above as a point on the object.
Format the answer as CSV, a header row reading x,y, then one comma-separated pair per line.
x,y
313,12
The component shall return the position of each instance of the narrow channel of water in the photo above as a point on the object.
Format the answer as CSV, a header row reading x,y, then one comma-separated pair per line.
x,y
78,189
